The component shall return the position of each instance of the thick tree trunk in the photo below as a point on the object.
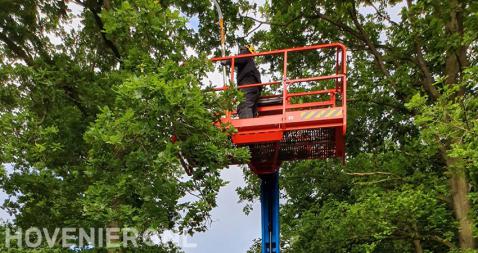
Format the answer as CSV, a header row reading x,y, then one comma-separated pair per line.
x,y
461,205
418,246
455,64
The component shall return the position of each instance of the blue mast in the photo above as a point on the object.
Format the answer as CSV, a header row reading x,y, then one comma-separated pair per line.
x,y
270,213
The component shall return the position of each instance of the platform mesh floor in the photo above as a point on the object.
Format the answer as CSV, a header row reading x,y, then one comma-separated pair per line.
x,y
299,144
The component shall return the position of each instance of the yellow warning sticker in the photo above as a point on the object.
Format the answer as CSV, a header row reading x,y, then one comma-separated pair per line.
x,y
326,113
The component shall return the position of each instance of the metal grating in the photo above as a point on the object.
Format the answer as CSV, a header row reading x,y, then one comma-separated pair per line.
x,y
298,145
263,152
308,144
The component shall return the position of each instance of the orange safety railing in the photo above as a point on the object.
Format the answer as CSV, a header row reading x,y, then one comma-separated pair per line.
x,y
339,77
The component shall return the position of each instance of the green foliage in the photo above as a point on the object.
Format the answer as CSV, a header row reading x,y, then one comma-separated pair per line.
x,y
88,114
452,120
411,131
329,208
131,144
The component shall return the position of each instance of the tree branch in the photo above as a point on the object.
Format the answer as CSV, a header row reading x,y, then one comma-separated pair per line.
x,y
378,181
366,174
384,16
377,55
395,106
96,10
339,24
429,80
17,50
437,238
187,168
270,23
253,30
412,235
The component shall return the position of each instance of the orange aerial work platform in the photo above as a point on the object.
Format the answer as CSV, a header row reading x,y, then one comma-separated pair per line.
x,y
294,125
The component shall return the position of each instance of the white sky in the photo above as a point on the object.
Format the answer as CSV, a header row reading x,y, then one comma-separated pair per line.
x,y
231,231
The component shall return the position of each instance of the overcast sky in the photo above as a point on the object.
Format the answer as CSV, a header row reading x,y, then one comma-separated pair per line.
x,y
231,231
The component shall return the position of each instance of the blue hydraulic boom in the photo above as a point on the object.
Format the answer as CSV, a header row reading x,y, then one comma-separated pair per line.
x,y
270,213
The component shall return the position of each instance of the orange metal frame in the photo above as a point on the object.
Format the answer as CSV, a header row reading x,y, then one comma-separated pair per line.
x,y
274,120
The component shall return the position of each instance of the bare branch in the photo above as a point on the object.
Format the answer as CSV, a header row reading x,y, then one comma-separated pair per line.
x,y
382,15
253,30
377,181
367,174
188,168
267,22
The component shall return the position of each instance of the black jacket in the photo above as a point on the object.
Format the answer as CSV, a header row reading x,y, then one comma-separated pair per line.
x,y
247,72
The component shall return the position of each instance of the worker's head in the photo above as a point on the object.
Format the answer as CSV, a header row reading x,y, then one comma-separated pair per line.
x,y
247,49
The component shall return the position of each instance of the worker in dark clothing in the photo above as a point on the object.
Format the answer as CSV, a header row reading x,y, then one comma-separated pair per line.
x,y
247,73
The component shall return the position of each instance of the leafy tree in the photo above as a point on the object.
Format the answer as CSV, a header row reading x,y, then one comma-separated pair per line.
x,y
92,92
410,180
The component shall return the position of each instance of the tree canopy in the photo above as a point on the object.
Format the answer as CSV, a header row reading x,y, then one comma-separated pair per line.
x,y
92,94
409,184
